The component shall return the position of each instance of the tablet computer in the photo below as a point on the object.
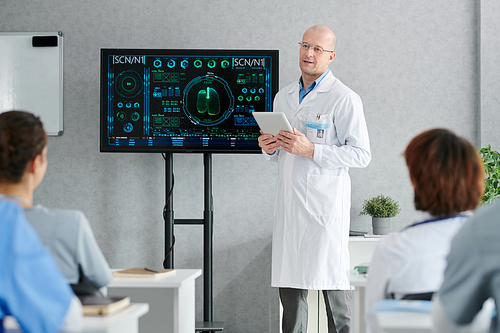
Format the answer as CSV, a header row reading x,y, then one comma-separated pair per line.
x,y
272,122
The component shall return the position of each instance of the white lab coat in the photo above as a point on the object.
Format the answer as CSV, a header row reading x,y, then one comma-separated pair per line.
x,y
312,202
410,262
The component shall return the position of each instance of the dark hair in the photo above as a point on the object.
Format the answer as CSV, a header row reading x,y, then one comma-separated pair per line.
x,y
22,138
446,171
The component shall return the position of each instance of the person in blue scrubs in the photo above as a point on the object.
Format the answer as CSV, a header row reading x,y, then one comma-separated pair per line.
x,y
67,234
32,289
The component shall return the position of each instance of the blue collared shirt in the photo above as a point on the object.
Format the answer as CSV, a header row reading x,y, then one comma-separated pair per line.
x,y
303,92
32,288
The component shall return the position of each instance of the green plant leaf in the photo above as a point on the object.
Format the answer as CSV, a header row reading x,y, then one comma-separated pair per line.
x,y
491,163
380,206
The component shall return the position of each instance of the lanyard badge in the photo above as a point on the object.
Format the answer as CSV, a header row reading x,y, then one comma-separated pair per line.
x,y
316,130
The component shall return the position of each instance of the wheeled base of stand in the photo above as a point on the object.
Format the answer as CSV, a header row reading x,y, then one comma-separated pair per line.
x,y
209,326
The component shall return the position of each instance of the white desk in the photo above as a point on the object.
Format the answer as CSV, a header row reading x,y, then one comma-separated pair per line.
x,y
414,322
171,300
361,249
124,321
358,302
404,322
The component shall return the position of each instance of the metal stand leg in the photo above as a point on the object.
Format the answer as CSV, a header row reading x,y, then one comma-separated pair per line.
x,y
208,325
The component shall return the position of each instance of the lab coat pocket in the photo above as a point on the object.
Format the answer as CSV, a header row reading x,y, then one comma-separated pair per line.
x,y
324,195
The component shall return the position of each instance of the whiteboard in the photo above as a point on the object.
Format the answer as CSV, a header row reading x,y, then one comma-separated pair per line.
x,y
31,78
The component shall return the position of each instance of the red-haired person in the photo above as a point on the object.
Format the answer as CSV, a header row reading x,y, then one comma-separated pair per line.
x,y
447,177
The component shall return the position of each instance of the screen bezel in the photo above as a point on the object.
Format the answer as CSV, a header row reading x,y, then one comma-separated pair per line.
x,y
105,52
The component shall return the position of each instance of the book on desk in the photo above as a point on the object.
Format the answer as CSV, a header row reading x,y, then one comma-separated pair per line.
x,y
99,305
140,272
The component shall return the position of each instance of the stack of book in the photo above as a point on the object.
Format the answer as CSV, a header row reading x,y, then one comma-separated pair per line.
x,y
143,272
99,305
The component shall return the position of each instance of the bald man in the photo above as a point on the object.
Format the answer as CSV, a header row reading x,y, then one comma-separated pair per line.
x,y
313,190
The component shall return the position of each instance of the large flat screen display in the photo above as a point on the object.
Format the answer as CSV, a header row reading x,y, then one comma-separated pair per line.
x,y
186,101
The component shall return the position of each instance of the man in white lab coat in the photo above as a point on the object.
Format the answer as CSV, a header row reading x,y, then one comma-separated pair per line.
x,y
313,192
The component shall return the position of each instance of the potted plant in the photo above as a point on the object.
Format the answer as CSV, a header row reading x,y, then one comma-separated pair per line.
x,y
491,162
382,209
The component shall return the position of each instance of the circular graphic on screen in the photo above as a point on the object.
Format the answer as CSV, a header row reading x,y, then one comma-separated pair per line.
x,y
121,116
208,100
128,127
135,116
128,84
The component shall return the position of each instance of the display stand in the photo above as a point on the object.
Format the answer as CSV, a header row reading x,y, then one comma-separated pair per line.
x,y
208,325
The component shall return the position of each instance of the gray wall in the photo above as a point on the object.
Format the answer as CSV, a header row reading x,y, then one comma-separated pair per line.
x,y
416,65
490,80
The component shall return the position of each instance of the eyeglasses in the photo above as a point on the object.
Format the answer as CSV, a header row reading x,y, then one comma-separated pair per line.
x,y
317,49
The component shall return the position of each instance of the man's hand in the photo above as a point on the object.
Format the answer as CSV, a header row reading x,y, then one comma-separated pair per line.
x,y
296,143
268,143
